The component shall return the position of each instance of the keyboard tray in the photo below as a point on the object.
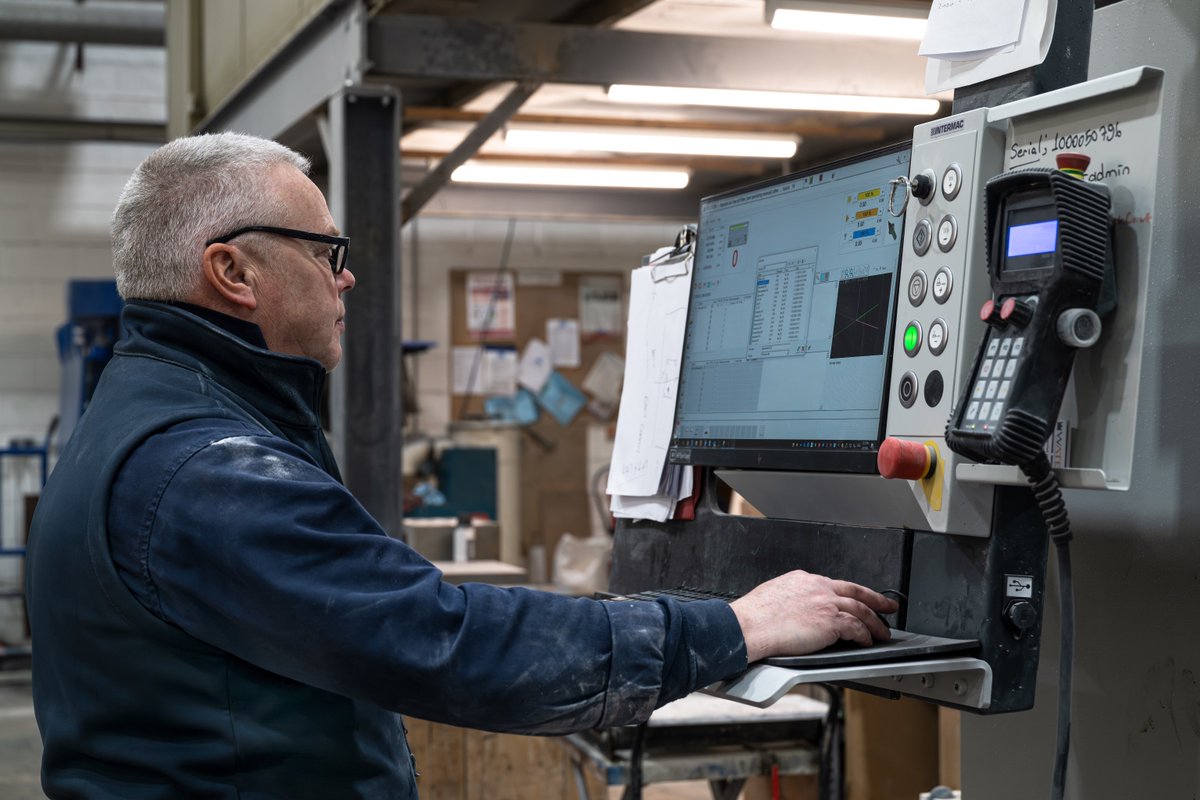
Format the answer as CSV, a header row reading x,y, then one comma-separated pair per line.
x,y
903,644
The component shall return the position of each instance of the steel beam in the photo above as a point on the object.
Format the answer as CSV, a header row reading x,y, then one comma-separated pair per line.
x,y
419,46
478,201
42,129
45,22
325,55
439,176
365,188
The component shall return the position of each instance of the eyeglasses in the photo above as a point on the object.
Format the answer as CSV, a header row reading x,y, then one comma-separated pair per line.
x,y
339,246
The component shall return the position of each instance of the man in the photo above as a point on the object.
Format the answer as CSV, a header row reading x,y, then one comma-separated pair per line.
x,y
216,616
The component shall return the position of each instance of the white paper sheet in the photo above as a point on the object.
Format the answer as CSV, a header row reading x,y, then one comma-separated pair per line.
x,y
657,318
600,305
563,338
603,380
654,508
1037,30
499,374
971,26
660,507
491,312
463,361
484,371
535,365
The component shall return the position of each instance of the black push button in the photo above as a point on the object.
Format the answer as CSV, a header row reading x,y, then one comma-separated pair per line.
x,y
935,385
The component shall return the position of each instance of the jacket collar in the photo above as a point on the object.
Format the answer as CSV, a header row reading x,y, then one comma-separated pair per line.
x,y
286,389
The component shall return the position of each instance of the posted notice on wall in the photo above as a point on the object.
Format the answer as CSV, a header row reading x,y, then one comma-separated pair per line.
x,y
563,337
600,306
491,305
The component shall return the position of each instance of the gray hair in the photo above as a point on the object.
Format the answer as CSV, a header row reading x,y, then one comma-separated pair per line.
x,y
185,193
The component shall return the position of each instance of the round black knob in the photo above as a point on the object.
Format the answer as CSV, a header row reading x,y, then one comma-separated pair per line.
x,y
1016,312
1079,327
923,185
989,313
1021,614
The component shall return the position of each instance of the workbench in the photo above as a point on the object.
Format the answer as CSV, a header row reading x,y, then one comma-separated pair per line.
x,y
700,737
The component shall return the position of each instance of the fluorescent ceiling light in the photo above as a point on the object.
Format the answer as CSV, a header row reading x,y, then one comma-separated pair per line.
x,y
861,19
550,175
784,101
681,143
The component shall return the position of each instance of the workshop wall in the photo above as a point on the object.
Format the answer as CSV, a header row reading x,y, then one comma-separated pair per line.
x,y
55,203
433,247
555,480
56,198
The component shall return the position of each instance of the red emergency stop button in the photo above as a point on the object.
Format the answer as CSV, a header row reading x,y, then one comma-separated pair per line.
x,y
906,460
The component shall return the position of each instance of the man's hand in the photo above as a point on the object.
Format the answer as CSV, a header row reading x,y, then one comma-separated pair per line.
x,y
800,613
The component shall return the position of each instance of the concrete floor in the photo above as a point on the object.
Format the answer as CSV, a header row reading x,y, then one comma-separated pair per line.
x,y
20,746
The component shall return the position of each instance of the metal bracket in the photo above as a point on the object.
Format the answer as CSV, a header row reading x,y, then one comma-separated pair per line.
x,y
954,681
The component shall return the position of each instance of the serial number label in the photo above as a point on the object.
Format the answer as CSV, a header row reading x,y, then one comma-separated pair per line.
x,y
1047,143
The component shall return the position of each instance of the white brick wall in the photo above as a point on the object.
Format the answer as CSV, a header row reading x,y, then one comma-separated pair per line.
x,y
55,203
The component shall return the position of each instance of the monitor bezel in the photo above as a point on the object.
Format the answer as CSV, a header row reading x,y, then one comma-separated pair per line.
x,y
830,458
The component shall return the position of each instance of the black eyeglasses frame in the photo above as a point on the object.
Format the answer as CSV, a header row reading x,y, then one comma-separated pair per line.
x,y
340,245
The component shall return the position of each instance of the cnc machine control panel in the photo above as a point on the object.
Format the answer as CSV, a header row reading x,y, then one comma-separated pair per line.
x,y
941,288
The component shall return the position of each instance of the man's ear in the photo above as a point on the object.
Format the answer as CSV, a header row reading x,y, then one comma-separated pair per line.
x,y
232,273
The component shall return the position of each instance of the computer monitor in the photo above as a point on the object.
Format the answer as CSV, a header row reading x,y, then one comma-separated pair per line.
x,y
789,330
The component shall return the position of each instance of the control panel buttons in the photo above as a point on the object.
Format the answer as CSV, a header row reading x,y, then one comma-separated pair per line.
x,y
951,181
917,286
912,338
947,233
908,389
935,386
905,460
939,332
989,314
943,284
922,236
922,186
1016,312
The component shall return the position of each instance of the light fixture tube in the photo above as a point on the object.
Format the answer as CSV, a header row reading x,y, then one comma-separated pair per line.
x,y
861,19
549,175
660,143
784,101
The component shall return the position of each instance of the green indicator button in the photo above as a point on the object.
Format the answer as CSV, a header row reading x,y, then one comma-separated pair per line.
x,y
912,338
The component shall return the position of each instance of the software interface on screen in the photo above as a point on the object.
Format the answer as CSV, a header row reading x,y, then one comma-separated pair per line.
x,y
789,325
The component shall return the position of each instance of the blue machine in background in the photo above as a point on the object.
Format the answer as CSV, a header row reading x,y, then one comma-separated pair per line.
x,y
85,346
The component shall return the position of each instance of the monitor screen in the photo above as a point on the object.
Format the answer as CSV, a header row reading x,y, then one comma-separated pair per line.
x,y
786,356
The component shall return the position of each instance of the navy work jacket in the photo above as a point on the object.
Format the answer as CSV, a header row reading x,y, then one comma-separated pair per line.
x,y
215,616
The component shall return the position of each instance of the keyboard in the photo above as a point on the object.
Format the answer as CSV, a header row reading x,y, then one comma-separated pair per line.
x,y
902,646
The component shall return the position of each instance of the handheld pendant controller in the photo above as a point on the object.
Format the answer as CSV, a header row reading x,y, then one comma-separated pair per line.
x,y
1049,258
1050,263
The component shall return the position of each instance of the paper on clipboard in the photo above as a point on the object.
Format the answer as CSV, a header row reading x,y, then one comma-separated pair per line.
x,y
657,319
971,26
1037,31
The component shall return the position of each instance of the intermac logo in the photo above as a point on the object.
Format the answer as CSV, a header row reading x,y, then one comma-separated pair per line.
x,y
947,127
